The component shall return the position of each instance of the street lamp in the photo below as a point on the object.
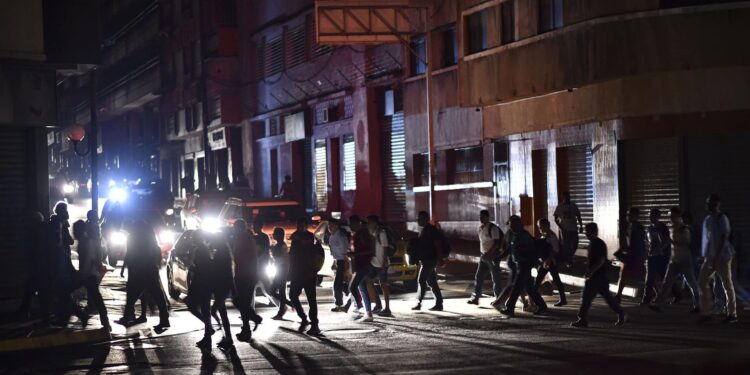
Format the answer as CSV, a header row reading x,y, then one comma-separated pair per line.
x,y
75,134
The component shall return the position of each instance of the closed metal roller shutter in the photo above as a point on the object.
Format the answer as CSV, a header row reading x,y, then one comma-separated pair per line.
x,y
14,181
581,183
651,175
394,168
321,175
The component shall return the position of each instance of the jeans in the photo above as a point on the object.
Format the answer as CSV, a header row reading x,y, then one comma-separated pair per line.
x,y
483,268
145,282
521,282
428,277
592,287
340,288
654,272
684,267
724,271
295,289
278,291
244,299
359,286
552,270
91,283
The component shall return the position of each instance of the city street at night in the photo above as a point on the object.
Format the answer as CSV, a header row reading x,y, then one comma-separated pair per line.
x,y
459,186
461,339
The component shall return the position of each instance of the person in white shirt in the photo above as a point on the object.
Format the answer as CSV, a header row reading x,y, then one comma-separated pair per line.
x,y
680,262
340,244
380,263
490,238
717,254
566,215
549,265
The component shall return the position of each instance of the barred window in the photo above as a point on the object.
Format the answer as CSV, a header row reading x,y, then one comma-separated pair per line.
x,y
349,164
469,165
273,51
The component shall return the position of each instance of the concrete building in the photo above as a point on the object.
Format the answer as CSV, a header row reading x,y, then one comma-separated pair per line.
x,y
636,103
330,118
201,106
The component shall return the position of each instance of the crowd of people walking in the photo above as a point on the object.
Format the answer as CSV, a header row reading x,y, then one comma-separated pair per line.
x,y
664,260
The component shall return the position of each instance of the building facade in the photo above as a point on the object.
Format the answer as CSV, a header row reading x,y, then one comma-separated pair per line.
x,y
331,118
622,104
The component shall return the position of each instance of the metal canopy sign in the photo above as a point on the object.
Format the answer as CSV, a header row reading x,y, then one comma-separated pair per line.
x,y
365,22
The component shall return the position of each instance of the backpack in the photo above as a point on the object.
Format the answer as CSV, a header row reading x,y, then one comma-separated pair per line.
x,y
391,248
445,246
542,249
318,257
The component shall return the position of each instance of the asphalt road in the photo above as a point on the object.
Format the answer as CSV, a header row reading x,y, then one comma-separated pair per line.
x,y
462,339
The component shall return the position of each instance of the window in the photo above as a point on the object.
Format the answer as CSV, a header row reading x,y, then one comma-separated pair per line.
x,y
216,110
321,175
295,46
171,125
550,15
508,14
476,28
468,165
189,117
197,114
421,170
419,48
274,56
349,164
450,47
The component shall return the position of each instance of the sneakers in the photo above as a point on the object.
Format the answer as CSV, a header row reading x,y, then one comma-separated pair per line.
x,y
385,313
304,322
279,316
337,309
204,343
473,301
507,312
417,307
257,322
245,335
580,323
730,319
377,309
541,310
620,320
162,326
225,343
314,331
366,319
436,308
561,303
141,319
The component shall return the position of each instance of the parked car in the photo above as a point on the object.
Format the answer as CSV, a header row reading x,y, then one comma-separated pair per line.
x,y
178,264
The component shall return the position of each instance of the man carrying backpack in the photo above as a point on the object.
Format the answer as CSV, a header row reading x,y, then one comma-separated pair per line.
x,y
429,247
490,238
523,252
305,260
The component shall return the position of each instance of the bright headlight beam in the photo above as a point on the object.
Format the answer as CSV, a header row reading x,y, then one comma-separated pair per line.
x,y
118,195
211,225
271,271
118,238
166,236
68,188
169,212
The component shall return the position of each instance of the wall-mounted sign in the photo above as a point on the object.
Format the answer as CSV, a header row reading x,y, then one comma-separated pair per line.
x,y
217,139
294,127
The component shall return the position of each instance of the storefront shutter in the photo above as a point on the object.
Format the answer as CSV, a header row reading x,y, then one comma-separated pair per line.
x,y
581,183
651,175
15,195
321,175
394,169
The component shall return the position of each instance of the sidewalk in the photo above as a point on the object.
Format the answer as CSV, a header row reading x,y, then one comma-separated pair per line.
x,y
26,335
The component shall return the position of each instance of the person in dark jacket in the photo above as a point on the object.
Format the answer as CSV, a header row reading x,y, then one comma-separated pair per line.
x,y
89,261
363,251
144,259
305,260
428,250
38,266
280,253
200,286
63,270
245,277
596,279
523,253
221,271
634,252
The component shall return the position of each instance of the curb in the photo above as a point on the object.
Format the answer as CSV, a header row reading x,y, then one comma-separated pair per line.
x,y
54,340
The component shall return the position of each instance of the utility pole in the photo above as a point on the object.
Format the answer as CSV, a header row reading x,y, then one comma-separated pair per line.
x,y
428,106
208,160
94,147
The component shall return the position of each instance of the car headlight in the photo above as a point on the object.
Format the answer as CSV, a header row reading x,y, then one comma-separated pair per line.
x,y
211,225
118,194
169,212
271,271
166,236
68,188
118,238
111,183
